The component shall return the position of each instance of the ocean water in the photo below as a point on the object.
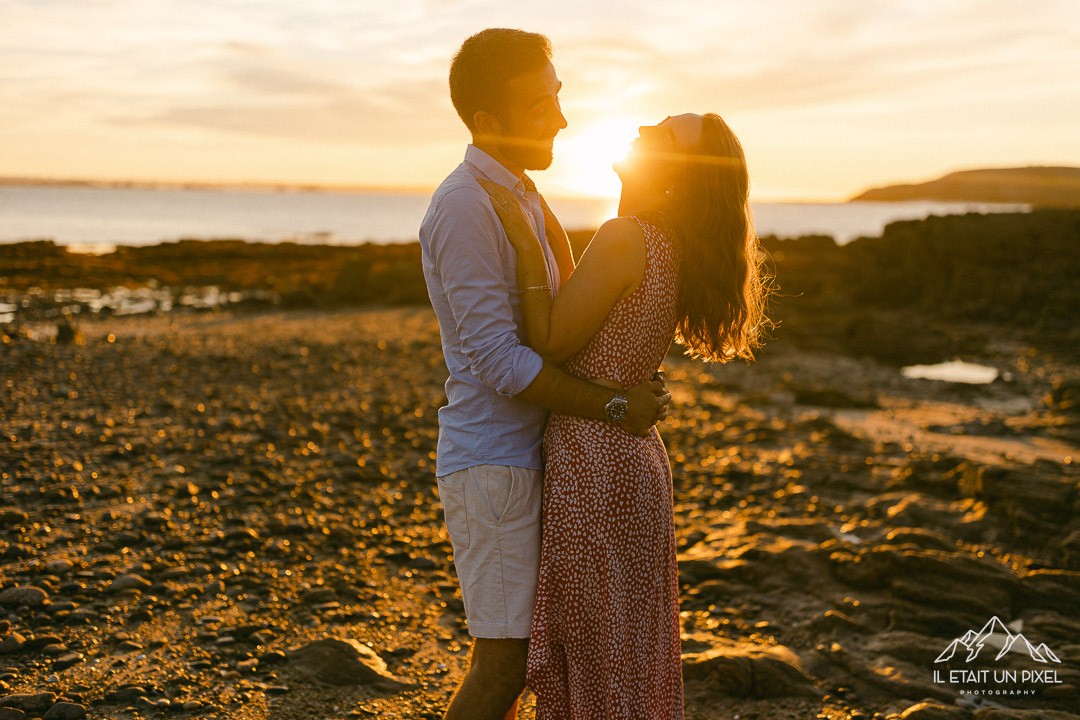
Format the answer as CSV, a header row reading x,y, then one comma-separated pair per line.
x,y
93,219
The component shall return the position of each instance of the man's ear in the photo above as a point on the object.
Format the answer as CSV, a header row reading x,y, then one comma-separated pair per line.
x,y
486,123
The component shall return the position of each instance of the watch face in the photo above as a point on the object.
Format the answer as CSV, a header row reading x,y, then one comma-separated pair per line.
x,y
616,408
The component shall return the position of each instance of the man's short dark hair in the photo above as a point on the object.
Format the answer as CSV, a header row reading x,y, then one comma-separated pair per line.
x,y
486,62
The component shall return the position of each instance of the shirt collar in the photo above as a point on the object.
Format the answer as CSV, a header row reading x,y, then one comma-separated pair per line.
x,y
495,171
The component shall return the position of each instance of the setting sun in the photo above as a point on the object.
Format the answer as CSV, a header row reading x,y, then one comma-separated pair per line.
x,y
584,159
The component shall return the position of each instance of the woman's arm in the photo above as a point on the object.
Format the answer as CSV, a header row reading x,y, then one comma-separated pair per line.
x,y
610,269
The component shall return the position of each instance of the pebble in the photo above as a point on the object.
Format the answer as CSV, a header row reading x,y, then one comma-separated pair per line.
x,y
65,661
319,596
12,643
58,567
129,582
273,656
125,694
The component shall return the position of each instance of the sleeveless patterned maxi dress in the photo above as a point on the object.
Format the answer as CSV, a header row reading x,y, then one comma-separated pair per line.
x,y
605,633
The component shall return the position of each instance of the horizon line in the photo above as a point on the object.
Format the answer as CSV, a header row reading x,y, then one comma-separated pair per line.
x,y
38,181
283,186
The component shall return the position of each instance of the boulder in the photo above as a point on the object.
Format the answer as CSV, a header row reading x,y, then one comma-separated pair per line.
x,y
342,662
935,711
749,671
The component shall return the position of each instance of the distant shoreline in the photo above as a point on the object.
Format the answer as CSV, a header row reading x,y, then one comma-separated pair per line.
x,y
202,185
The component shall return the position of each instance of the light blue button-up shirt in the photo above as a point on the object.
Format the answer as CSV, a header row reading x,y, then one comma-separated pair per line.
x,y
470,268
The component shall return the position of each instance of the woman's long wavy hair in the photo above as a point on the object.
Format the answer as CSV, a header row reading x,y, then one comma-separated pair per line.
x,y
723,288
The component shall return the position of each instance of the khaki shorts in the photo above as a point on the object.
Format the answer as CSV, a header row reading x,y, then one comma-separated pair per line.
x,y
493,516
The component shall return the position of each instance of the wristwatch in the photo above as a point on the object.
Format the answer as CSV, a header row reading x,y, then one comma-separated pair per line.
x,y
616,407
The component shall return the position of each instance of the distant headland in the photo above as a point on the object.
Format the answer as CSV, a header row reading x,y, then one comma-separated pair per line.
x,y
1051,187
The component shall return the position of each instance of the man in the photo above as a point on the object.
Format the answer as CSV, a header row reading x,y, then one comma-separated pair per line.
x,y
489,465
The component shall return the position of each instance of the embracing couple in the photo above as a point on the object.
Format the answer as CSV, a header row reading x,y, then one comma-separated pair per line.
x,y
585,613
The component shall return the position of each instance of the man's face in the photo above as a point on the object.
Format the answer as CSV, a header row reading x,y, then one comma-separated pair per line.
x,y
531,118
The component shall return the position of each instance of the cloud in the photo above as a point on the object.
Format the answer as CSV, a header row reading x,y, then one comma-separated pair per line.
x,y
328,73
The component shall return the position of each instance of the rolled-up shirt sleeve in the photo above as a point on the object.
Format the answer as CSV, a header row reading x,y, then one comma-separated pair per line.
x,y
467,246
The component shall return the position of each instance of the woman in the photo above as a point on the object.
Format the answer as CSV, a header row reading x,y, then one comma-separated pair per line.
x,y
680,262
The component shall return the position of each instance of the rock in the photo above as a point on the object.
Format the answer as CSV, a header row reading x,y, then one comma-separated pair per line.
x,y
58,567
65,661
66,711
832,397
902,645
241,536
260,638
273,656
935,711
11,643
12,517
41,641
24,595
7,713
1045,496
343,662
1070,550
68,334
991,713
1051,589
28,702
749,671
318,596
931,577
128,582
1066,395
125,694
421,563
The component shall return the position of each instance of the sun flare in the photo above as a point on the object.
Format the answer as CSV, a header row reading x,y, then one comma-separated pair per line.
x,y
584,159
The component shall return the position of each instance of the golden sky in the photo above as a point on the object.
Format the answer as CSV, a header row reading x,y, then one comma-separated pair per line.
x,y
828,96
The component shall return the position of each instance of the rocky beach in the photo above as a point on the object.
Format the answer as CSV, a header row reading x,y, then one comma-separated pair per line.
x,y
227,509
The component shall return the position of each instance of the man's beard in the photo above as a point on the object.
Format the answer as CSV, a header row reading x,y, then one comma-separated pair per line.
x,y
529,154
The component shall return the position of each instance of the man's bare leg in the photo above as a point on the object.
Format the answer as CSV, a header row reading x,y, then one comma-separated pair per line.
x,y
495,680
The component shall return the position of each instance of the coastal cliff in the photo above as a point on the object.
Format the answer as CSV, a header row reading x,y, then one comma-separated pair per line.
x,y
1037,186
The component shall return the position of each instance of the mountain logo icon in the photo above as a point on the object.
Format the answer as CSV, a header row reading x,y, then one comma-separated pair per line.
x,y
996,635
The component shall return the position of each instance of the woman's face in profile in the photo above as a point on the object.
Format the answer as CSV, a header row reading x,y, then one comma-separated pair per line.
x,y
660,149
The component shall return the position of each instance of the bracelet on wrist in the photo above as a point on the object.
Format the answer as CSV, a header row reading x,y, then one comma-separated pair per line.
x,y
534,287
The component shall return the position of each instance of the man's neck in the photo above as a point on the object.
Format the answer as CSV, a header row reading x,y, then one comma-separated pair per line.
x,y
492,149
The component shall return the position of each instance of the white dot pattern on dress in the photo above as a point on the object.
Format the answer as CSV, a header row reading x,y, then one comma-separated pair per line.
x,y
605,635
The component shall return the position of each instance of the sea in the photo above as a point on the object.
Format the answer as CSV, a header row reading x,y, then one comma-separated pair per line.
x,y
97,219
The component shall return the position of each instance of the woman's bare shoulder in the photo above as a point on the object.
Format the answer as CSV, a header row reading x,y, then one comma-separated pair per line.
x,y
619,234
